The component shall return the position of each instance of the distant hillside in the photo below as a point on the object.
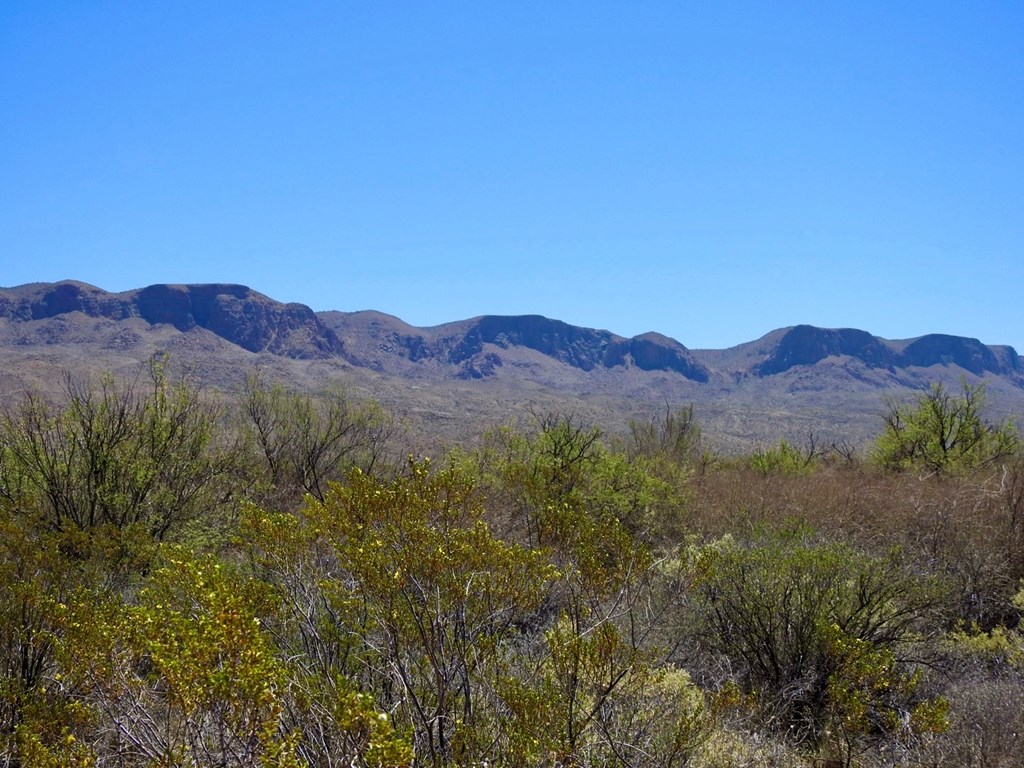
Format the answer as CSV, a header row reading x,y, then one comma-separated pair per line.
x,y
451,379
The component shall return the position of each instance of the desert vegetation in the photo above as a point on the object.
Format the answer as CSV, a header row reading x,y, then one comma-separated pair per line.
x,y
273,579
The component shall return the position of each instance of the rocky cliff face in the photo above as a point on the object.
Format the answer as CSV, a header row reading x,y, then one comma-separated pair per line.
x,y
807,345
583,348
654,352
579,347
243,317
969,354
237,314
474,346
40,301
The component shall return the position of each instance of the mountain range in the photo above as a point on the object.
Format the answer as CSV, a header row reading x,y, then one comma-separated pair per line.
x,y
454,379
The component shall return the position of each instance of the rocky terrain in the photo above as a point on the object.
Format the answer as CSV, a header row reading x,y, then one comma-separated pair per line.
x,y
455,379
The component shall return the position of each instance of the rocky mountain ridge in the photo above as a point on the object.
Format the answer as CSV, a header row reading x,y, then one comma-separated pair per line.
x,y
259,324
794,379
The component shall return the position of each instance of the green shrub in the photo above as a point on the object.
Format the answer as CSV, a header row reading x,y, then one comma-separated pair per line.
x,y
814,632
943,433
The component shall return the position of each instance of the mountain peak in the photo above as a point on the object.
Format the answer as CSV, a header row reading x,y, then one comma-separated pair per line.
x,y
808,344
234,312
803,345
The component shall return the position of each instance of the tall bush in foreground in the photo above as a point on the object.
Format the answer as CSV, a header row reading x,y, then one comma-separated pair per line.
x,y
89,488
816,634
184,676
125,456
400,590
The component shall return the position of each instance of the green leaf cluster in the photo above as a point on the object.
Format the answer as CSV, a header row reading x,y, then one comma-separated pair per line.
x,y
944,433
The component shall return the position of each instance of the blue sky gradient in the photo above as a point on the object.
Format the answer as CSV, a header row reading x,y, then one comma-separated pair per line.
x,y
711,171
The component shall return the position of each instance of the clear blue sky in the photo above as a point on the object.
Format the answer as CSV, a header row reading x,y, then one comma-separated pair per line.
x,y
709,170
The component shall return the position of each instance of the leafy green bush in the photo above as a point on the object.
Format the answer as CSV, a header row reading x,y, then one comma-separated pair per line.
x,y
944,433
783,459
815,631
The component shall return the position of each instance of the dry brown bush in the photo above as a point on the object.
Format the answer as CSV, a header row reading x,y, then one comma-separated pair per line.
x,y
968,528
987,727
